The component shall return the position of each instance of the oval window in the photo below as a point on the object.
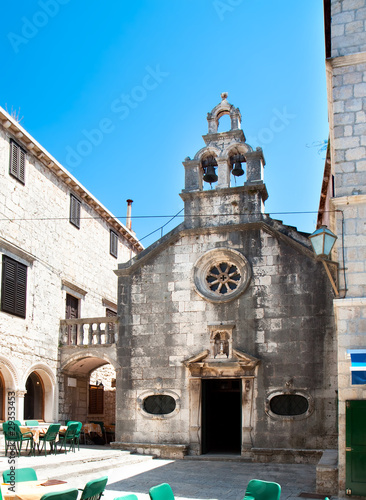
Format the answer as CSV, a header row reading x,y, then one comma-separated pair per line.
x,y
289,404
159,404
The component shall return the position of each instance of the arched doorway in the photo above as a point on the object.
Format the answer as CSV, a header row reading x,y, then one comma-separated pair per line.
x,y
34,398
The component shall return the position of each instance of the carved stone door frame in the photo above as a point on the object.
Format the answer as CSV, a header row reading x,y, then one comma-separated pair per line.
x,y
202,366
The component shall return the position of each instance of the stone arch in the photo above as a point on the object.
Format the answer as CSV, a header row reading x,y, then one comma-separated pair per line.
x,y
234,148
9,373
50,391
76,386
11,391
223,108
71,361
207,151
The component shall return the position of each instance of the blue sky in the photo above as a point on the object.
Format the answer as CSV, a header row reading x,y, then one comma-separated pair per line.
x,y
119,91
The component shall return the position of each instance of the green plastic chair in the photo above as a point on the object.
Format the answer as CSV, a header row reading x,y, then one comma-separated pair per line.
x,y
49,437
131,496
69,436
61,495
78,431
17,422
262,490
31,422
161,492
20,475
13,434
93,490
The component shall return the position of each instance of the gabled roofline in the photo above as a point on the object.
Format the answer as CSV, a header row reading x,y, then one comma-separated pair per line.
x,y
287,234
43,156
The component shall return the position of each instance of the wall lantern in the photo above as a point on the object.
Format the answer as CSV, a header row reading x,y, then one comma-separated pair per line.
x,y
322,241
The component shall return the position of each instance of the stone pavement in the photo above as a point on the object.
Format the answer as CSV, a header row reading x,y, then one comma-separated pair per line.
x,y
190,479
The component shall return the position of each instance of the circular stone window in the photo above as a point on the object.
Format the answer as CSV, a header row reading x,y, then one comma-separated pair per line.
x,y
221,275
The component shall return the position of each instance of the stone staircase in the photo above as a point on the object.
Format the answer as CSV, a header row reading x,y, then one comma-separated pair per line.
x,y
87,460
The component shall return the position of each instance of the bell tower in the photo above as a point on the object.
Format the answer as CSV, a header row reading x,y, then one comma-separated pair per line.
x,y
209,198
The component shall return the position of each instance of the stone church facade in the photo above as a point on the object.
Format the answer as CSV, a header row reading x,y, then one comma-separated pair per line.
x,y
226,338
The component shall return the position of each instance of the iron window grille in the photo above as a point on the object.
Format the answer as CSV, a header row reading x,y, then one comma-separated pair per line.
x,y
17,162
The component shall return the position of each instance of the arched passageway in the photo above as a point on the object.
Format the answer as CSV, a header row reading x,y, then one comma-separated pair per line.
x,y
87,390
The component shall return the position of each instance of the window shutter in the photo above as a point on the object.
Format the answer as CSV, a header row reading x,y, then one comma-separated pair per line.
x,y
96,399
14,150
14,287
21,290
113,244
17,161
21,165
75,211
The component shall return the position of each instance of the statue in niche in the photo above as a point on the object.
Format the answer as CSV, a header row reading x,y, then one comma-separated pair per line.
x,y
221,345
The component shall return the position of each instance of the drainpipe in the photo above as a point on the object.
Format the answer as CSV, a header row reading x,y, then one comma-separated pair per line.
x,y
128,217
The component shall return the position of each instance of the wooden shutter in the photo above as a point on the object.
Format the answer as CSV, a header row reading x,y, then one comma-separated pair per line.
x,y
17,161
14,287
96,399
75,211
113,244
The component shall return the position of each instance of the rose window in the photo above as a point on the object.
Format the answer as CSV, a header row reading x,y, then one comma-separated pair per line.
x,y
221,274
223,278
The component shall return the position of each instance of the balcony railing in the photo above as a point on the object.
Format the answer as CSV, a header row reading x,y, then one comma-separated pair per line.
x,y
89,331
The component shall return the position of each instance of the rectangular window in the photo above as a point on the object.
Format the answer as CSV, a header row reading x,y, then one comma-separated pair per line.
x,y
17,162
75,211
358,366
96,399
14,287
110,326
113,246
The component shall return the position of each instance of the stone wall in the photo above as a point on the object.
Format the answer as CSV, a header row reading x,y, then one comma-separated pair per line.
x,y
346,80
36,231
348,30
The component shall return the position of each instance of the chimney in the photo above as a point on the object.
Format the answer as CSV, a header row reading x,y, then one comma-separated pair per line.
x,y
128,217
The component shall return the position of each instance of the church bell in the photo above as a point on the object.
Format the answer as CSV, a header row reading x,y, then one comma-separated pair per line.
x,y
238,169
209,169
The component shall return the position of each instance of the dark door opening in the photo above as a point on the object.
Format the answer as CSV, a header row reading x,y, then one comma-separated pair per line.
x,y
33,400
355,447
221,416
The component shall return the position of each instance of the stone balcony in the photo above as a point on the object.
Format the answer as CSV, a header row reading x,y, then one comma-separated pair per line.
x,y
89,331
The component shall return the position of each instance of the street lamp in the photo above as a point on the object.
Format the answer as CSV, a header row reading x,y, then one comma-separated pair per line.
x,y
322,241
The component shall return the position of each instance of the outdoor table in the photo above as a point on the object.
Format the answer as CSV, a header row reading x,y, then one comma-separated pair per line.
x,y
36,430
30,490
88,428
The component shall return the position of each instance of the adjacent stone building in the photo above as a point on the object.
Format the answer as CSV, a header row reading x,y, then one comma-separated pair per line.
x,y
343,209
226,341
59,247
